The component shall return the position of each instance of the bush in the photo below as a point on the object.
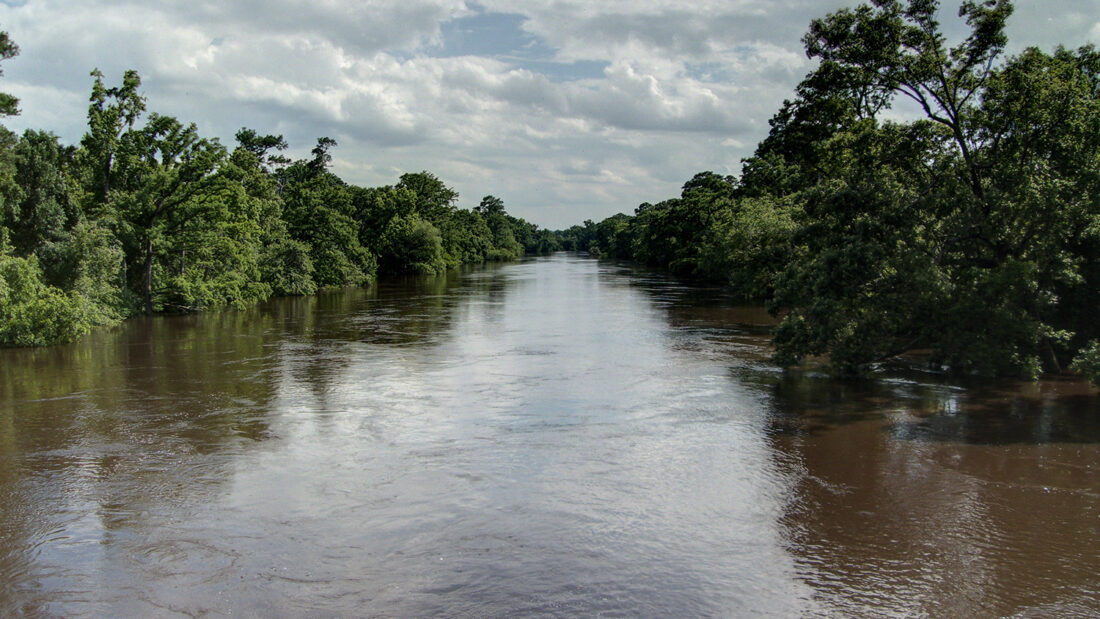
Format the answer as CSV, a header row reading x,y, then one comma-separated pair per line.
x,y
1087,362
33,313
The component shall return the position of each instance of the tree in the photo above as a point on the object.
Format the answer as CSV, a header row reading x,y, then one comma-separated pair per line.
x,y
320,212
147,215
164,185
285,264
321,156
34,313
966,232
860,281
9,105
46,207
412,245
467,238
260,145
504,243
111,116
490,205
673,233
434,200
883,50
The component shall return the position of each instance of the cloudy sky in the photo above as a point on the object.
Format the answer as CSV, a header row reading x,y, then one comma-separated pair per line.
x,y
565,109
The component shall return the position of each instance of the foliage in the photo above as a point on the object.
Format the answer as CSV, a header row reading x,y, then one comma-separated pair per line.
x,y
9,105
45,207
35,313
412,244
1088,362
87,260
319,213
748,244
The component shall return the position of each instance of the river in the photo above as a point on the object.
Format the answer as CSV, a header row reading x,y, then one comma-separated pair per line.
x,y
556,437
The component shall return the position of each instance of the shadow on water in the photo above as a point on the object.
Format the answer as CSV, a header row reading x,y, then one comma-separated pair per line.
x,y
1046,412
808,402
97,437
920,407
937,498
414,309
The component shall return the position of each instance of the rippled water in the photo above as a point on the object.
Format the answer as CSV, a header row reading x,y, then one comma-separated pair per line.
x,y
555,437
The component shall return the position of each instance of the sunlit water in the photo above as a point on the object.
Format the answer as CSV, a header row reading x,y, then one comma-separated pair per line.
x,y
558,437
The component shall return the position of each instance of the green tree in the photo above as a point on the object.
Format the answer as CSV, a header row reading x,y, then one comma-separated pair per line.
x,y
504,243
434,200
412,245
112,116
1088,362
860,282
9,105
46,206
260,146
468,240
285,264
163,186
34,313
965,232
320,212
749,244
1040,124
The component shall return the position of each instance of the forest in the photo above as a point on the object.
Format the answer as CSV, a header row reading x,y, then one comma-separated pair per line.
x,y
912,197
147,216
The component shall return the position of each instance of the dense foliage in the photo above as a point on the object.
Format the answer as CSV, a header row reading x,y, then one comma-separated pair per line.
x,y
971,232
148,216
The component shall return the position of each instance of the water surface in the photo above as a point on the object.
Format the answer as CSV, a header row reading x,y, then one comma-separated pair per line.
x,y
558,437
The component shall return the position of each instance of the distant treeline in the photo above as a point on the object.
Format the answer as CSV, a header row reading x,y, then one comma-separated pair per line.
x,y
971,233
147,216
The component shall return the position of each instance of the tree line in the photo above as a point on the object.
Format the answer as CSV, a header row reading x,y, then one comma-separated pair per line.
x,y
145,216
970,233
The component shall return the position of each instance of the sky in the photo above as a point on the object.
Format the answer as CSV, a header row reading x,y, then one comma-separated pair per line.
x,y
565,109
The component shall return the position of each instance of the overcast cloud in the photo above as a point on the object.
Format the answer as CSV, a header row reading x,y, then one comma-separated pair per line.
x,y
567,110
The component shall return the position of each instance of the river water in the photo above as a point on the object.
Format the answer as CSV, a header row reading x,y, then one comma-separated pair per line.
x,y
557,437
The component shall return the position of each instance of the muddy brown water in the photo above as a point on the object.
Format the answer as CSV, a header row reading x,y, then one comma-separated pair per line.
x,y
557,437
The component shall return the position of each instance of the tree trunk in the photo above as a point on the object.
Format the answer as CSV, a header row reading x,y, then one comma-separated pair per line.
x,y
107,179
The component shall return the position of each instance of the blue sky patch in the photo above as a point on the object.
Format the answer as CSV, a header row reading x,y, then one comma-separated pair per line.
x,y
709,71
501,36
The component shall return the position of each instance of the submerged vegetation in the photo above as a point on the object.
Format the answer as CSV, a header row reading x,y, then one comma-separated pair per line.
x,y
147,216
971,231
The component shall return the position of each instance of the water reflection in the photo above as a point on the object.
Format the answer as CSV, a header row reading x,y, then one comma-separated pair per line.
x,y
98,437
930,408
917,496
556,437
